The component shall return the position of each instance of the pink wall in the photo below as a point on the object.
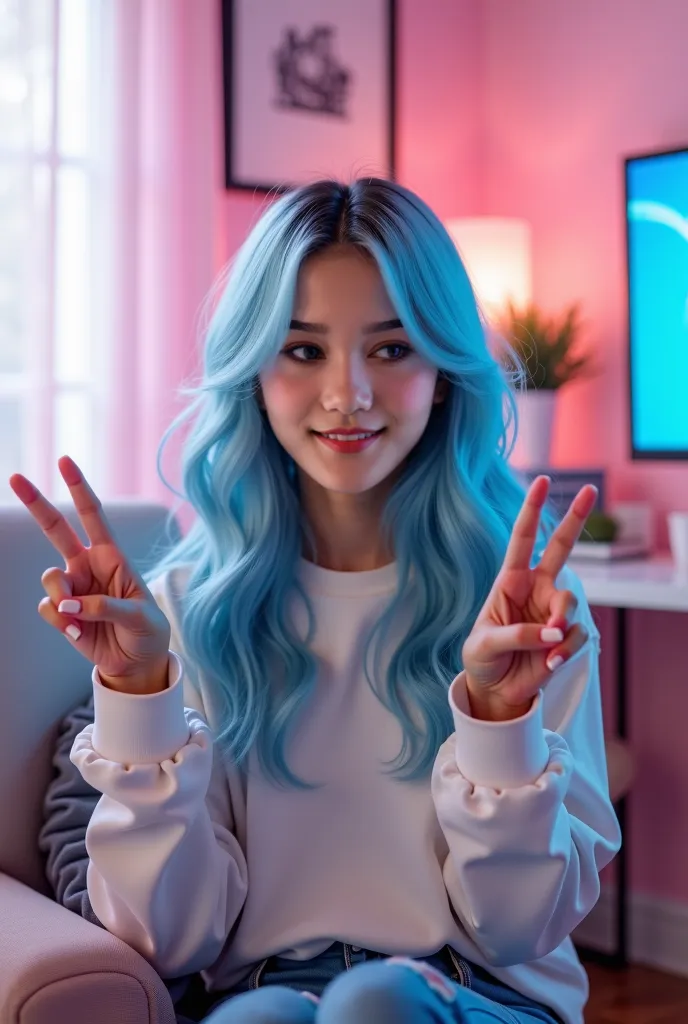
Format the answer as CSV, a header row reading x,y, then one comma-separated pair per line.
x,y
568,89
525,110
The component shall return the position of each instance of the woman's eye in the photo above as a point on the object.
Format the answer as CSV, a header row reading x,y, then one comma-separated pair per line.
x,y
402,351
311,348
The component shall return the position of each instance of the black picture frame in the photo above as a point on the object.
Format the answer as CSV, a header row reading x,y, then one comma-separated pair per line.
x,y
281,109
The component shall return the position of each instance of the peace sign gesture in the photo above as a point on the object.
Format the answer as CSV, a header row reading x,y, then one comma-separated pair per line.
x,y
98,600
524,631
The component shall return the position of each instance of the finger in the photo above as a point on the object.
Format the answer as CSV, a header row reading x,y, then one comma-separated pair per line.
x,y
62,623
86,502
567,532
494,641
53,524
524,534
562,607
573,641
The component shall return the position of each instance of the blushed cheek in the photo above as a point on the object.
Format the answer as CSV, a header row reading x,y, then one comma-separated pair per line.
x,y
413,394
281,396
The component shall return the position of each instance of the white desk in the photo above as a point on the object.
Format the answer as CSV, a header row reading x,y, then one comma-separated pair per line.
x,y
651,584
647,583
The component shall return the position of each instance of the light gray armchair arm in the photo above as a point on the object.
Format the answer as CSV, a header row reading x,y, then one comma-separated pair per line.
x,y
55,966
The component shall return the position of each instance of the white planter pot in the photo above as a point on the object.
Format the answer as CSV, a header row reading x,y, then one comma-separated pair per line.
x,y
535,423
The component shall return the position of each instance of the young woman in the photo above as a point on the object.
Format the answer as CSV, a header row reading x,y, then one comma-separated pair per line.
x,y
347,732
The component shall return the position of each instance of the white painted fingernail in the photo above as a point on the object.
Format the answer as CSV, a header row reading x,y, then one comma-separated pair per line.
x,y
555,662
551,635
68,607
73,631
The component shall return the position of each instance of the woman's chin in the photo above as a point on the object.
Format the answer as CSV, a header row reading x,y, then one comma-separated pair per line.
x,y
348,480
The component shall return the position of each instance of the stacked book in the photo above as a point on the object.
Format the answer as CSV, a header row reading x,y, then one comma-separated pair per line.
x,y
634,535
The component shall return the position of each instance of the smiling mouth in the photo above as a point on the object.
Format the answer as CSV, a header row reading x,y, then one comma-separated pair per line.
x,y
348,444
361,435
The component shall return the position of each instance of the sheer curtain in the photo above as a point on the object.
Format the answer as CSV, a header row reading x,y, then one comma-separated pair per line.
x,y
110,192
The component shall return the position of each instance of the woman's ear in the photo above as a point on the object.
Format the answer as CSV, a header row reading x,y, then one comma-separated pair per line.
x,y
441,389
258,392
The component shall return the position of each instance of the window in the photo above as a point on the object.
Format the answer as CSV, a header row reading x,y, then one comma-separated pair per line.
x,y
50,364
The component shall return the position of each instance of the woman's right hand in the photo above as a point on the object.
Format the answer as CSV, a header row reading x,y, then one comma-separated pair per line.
x,y
123,631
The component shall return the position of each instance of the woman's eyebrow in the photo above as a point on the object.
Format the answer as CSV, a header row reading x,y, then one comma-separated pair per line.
x,y
382,325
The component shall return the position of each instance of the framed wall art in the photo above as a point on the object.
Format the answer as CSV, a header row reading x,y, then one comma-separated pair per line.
x,y
309,90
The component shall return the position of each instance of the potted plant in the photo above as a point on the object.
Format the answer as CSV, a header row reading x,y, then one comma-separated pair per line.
x,y
542,356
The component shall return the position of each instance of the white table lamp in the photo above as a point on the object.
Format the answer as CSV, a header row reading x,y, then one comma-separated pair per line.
x,y
496,252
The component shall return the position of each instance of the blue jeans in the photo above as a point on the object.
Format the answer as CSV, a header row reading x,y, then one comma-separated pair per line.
x,y
344,985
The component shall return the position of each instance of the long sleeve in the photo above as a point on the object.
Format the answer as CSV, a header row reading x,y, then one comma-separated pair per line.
x,y
67,808
166,873
524,806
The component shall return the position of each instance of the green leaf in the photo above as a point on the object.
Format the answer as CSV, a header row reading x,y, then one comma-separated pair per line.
x,y
545,346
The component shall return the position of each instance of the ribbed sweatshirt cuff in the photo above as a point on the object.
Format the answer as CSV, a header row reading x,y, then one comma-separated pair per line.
x,y
148,728
501,755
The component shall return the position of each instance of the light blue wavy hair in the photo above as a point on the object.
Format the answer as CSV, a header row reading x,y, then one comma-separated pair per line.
x,y
448,517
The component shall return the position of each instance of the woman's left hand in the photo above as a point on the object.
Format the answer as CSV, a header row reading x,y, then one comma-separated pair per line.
x,y
524,631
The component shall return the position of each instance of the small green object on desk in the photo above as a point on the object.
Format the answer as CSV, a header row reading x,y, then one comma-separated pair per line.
x,y
600,527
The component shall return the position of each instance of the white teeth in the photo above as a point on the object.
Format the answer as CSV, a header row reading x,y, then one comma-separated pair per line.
x,y
349,437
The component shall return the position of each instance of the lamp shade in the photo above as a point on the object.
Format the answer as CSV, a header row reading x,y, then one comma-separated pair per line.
x,y
496,252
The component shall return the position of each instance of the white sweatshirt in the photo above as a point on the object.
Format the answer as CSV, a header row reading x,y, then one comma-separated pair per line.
x,y
201,867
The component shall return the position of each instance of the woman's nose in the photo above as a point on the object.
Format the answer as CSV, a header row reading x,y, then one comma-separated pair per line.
x,y
347,389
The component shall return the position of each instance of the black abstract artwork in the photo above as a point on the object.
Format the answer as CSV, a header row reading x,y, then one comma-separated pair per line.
x,y
309,90
308,73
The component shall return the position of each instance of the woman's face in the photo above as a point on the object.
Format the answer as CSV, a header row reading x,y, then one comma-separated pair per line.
x,y
347,362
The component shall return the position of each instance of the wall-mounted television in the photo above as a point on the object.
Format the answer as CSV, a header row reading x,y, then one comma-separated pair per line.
x,y
656,193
